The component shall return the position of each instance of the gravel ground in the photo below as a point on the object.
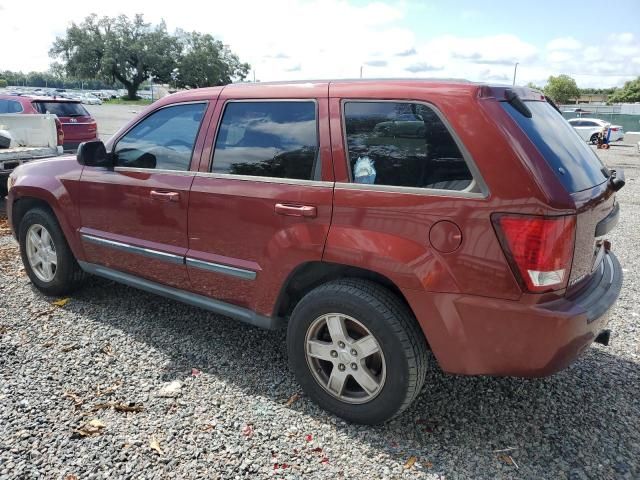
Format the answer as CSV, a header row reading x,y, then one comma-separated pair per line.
x,y
238,412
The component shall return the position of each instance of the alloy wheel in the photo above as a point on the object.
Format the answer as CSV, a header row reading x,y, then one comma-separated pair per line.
x,y
41,252
345,358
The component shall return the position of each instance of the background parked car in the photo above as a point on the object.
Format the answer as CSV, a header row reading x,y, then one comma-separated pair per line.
x,y
588,129
90,99
77,124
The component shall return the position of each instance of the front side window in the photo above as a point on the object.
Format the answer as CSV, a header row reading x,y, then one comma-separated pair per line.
x,y
10,106
268,139
402,144
164,140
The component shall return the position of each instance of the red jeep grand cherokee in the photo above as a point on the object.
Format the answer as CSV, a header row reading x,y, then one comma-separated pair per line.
x,y
376,219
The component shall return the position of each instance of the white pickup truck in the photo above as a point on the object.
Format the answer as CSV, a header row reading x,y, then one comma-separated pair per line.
x,y
32,137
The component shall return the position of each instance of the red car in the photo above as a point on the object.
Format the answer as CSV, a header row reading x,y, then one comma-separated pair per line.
x,y
375,219
77,124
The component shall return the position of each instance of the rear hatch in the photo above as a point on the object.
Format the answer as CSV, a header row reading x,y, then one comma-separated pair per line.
x,y
583,175
77,123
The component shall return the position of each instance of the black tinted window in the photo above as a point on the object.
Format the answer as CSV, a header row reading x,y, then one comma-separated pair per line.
x,y
10,106
577,166
270,139
62,109
163,140
402,144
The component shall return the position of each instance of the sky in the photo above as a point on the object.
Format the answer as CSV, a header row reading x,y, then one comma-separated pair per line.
x,y
595,42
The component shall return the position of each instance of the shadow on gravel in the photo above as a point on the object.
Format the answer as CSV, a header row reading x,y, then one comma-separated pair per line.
x,y
580,423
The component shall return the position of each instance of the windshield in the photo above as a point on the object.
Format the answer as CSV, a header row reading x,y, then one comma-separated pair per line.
x,y
575,163
62,109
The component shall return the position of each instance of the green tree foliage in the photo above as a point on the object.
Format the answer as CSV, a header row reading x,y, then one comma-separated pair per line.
x,y
206,62
53,79
630,92
132,51
534,86
561,88
117,48
3,83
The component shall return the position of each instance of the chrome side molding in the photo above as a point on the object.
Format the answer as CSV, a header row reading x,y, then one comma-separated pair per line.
x,y
219,268
172,258
125,247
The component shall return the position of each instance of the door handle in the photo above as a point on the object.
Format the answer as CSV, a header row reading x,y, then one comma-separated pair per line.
x,y
165,196
296,210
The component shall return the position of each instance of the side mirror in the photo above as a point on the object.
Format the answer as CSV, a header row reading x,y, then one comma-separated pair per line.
x,y
94,154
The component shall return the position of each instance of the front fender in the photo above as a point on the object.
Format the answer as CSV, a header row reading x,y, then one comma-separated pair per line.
x,y
56,183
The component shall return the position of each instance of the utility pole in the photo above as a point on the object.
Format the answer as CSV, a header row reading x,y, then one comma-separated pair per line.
x,y
360,71
515,69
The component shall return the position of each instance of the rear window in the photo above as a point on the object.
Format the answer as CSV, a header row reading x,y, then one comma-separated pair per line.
x,y
62,109
577,166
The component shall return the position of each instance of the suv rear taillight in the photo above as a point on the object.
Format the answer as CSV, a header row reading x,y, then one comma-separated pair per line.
x,y
539,249
59,132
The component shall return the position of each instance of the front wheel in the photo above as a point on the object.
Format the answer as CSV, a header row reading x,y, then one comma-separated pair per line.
x,y
46,256
594,139
357,350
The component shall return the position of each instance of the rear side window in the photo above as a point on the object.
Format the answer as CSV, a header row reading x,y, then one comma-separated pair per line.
x,y
268,139
163,140
402,144
62,109
577,166
10,106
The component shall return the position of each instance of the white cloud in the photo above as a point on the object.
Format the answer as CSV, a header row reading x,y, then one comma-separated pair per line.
x,y
564,43
297,39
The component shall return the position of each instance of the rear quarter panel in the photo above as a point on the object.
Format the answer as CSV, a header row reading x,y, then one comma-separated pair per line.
x,y
388,232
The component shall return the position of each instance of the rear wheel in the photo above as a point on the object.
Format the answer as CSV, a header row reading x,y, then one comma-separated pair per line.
x,y
46,256
357,350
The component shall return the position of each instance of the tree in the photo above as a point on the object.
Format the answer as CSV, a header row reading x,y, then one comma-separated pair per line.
x,y
630,92
534,86
3,83
561,88
130,51
206,62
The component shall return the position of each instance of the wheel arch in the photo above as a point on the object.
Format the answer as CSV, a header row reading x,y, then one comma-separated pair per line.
x,y
36,198
309,275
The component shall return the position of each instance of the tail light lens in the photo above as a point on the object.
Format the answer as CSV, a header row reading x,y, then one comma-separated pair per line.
x,y
60,132
539,249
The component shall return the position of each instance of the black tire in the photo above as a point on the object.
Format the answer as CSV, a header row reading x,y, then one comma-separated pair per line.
x,y
594,139
3,187
391,323
68,274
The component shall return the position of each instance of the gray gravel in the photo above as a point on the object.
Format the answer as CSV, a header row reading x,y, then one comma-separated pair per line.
x,y
226,415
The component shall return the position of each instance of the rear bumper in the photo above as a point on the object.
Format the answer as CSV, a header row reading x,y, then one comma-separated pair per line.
x,y
480,336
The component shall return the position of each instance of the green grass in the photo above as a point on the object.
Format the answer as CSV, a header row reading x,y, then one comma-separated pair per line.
x,y
122,101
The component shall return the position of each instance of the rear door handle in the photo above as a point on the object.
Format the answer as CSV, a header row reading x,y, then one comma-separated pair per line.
x,y
296,210
165,196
